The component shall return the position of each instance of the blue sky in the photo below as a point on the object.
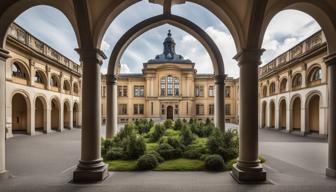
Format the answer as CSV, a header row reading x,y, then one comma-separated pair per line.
x,y
285,30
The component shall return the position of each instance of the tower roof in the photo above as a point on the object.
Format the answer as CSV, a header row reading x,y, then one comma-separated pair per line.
x,y
169,55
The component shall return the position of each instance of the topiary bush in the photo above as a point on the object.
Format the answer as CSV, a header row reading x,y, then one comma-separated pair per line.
x,y
194,151
143,125
127,130
178,124
168,124
157,156
159,131
187,136
133,147
114,153
225,144
168,152
147,162
214,163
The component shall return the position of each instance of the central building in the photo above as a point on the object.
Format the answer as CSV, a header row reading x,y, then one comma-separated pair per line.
x,y
170,88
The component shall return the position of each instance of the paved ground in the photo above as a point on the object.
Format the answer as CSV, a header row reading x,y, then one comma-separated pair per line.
x,y
46,162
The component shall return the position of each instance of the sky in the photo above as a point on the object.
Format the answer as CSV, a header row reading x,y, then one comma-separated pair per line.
x,y
285,30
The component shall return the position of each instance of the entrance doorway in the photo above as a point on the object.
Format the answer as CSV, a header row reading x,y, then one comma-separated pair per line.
x,y
170,112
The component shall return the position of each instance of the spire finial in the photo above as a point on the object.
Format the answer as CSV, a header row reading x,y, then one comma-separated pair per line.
x,y
169,34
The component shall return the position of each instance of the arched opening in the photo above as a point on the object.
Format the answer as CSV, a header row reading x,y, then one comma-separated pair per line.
x,y
20,73
40,115
66,115
76,116
20,114
314,114
40,79
170,112
66,87
272,114
264,91
272,88
314,76
55,114
296,114
54,82
282,114
75,88
264,115
283,85
297,81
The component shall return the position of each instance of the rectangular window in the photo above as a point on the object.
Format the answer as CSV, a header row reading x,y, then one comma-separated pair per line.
x,y
211,91
227,109
163,86
227,91
211,109
199,109
139,91
176,110
199,91
138,109
122,91
122,109
162,109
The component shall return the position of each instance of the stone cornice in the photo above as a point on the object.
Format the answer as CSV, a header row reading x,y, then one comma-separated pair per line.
x,y
249,56
330,59
91,54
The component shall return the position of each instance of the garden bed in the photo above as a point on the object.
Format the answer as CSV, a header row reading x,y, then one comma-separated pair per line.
x,y
171,146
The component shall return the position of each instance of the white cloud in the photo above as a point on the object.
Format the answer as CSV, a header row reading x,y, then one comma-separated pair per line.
x,y
105,47
124,69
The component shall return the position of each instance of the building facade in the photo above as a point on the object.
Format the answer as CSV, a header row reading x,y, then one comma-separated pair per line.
x,y
170,88
293,90
43,87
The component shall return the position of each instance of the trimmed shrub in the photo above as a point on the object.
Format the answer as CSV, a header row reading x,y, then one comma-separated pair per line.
x,y
203,157
143,125
126,131
168,124
178,124
168,152
214,163
157,156
194,151
159,131
187,136
114,154
224,144
147,162
134,147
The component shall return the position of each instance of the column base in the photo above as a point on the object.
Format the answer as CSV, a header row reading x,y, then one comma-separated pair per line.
x,y
5,175
331,172
90,172
252,175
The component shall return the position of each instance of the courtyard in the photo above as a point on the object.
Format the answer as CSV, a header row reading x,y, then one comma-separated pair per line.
x,y
46,163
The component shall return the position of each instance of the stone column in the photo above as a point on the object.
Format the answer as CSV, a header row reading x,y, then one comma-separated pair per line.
x,y
112,106
276,114
4,55
288,118
220,102
248,168
331,62
31,119
303,118
71,118
61,116
47,119
91,167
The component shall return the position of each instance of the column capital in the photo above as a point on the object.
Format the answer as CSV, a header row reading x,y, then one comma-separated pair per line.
x,y
91,54
4,54
249,56
111,79
219,79
330,59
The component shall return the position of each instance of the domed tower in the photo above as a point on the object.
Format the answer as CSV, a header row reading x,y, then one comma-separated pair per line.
x,y
169,46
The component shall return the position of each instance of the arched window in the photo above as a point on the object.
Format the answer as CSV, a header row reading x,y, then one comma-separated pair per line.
x,y
297,81
38,77
54,81
66,86
163,86
75,88
315,74
272,88
264,93
283,85
18,72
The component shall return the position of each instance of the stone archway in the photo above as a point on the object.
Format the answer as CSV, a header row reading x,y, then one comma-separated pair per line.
x,y
55,114
76,116
282,114
314,114
144,26
66,115
40,114
296,114
20,113
272,114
